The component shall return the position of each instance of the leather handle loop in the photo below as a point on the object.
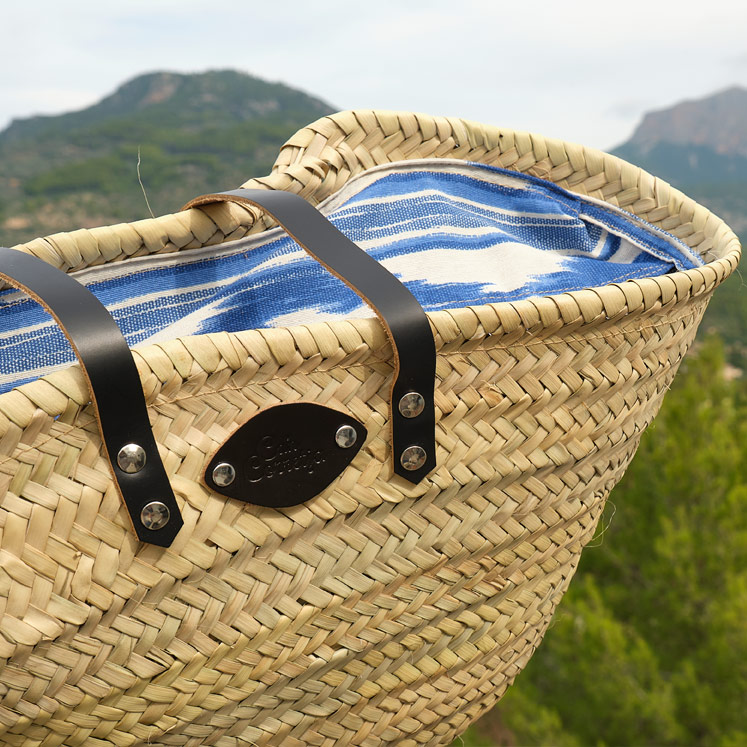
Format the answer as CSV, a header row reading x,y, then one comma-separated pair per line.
x,y
116,391
406,324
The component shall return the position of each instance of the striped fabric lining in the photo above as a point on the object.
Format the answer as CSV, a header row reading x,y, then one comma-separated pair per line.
x,y
455,233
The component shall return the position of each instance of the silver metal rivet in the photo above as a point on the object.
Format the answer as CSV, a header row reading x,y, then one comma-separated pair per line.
x,y
346,436
413,457
411,404
155,515
224,474
131,458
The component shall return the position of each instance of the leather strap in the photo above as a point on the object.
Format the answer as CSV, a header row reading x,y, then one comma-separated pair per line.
x,y
113,380
404,319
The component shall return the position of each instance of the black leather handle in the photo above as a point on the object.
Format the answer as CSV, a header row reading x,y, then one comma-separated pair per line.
x,y
116,392
413,437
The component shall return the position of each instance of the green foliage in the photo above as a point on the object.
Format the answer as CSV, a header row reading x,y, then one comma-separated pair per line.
x,y
727,316
114,174
473,738
649,646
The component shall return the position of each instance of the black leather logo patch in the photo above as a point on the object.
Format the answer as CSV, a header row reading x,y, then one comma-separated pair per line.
x,y
285,455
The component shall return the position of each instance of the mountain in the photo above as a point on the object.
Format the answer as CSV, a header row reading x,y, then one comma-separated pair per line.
x,y
716,122
700,147
194,133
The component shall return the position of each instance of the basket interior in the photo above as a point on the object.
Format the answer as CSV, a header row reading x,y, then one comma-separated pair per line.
x,y
455,233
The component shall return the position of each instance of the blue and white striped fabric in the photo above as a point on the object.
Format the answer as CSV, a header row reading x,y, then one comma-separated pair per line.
x,y
455,233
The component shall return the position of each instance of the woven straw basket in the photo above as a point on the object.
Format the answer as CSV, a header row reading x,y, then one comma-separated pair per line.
x,y
379,611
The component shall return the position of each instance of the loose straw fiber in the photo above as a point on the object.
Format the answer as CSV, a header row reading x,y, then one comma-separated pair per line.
x,y
378,612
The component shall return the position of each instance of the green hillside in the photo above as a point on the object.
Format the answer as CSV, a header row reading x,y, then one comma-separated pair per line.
x,y
195,133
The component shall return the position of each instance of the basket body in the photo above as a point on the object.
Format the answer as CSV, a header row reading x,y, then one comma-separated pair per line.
x,y
378,612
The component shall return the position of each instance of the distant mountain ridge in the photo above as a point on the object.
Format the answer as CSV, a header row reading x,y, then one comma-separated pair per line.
x,y
699,146
191,132
218,96
717,122
701,142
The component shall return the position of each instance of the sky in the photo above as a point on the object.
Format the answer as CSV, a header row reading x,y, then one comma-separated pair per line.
x,y
578,70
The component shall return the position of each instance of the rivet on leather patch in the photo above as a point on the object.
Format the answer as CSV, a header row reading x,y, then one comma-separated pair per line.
x,y
285,454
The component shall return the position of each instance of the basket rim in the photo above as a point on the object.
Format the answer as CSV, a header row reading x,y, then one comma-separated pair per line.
x,y
575,316
74,250
516,321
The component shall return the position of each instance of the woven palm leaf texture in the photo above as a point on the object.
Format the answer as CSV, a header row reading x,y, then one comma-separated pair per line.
x,y
378,611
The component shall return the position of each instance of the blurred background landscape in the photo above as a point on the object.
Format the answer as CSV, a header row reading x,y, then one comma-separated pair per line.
x,y
649,646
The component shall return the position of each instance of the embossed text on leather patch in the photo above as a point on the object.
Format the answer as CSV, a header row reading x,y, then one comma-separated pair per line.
x,y
285,454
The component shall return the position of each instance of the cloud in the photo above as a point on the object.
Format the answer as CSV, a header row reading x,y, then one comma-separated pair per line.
x,y
738,61
632,108
578,70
